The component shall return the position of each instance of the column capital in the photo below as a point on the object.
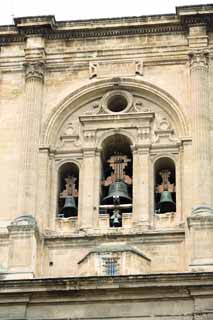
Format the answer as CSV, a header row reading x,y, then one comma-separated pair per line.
x,y
199,58
34,70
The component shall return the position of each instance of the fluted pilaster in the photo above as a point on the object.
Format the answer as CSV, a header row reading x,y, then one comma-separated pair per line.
x,y
199,67
34,76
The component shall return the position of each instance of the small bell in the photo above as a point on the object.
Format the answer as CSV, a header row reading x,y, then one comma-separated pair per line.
x,y
115,218
69,209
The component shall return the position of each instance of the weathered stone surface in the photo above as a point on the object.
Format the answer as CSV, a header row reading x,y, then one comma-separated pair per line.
x,y
66,90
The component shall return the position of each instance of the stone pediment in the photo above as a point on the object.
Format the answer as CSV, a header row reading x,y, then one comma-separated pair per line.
x,y
127,260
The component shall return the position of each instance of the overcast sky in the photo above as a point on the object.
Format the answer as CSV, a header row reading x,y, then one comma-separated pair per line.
x,y
88,9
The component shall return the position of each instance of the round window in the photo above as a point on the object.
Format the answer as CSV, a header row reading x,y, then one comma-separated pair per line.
x,y
117,103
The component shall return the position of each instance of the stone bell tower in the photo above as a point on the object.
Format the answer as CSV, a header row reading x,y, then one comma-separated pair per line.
x,y
106,167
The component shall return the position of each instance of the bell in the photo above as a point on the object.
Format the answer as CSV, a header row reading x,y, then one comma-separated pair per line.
x,y
115,218
69,209
166,203
118,193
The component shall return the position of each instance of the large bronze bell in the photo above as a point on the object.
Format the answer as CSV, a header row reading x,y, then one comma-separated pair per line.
x,y
166,203
69,209
118,193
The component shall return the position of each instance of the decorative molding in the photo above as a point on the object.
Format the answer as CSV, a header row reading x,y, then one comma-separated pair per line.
x,y
117,248
202,211
139,67
112,68
139,106
47,27
196,19
89,137
93,70
199,58
49,34
114,32
93,90
70,135
164,134
34,70
23,223
143,133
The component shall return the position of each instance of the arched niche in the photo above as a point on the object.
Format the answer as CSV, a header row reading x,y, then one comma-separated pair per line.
x,y
117,171
68,186
165,185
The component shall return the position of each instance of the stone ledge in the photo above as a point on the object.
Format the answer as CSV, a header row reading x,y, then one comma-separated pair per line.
x,y
194,9
37,21
173,235
160,280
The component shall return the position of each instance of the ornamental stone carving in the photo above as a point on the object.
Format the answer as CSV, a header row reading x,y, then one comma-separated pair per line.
x,y
70,135
34,70
104,69
199,58
139,68
140,106
92,70
25,222
89,137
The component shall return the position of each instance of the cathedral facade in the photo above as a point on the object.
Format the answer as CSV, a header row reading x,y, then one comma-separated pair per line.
x,y
106,169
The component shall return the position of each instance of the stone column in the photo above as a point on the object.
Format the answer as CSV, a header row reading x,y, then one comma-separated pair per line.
x,y
199,67
141,186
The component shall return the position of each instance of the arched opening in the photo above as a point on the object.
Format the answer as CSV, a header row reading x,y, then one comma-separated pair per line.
x,y
165,185
116,191
68,183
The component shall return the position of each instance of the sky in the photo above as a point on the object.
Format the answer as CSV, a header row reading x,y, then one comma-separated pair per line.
x,y
88,9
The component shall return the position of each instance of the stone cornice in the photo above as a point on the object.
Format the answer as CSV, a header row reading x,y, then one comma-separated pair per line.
x,y
47,27
55,239
90,33
194,10
94,28
188,281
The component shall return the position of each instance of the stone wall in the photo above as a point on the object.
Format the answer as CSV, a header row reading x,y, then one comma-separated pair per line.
x,y
56,83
